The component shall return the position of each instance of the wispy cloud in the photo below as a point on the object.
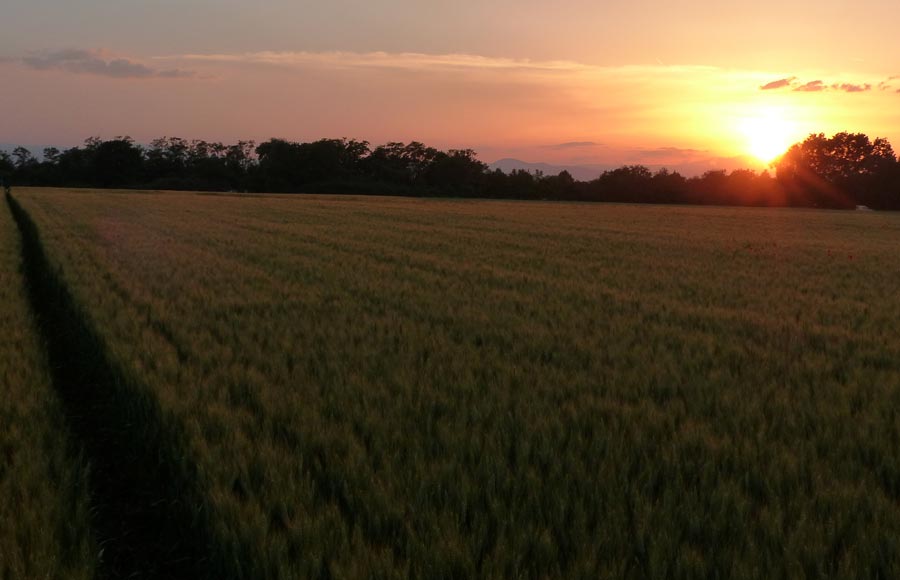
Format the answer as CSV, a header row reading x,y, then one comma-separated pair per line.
x,y
671,153
572,145
779,84
98,62
886,83
403,60
448,63
819,85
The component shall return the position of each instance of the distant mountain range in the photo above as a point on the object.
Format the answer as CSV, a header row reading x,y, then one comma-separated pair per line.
x,y
589,172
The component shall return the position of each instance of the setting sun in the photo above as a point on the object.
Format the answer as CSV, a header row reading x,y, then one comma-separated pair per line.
x,y
767,134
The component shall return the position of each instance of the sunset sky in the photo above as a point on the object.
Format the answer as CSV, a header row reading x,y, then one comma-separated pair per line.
x,y
568,82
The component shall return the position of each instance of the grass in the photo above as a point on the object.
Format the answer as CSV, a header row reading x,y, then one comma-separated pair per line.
x,y
382,388
44,511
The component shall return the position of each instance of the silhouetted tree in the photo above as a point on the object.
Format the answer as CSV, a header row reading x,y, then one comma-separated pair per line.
x,y
117,163
331,159
51,155
279,162
74,166
399,163
6,166
840,171
455,172
518,184
23,158
627,183
668,187
166,158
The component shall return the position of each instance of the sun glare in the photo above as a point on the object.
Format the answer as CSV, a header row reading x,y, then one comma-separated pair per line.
x,y
767,134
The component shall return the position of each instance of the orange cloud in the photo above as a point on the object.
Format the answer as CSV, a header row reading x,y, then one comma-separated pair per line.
x,y
852,88
818,85
811,87
779,84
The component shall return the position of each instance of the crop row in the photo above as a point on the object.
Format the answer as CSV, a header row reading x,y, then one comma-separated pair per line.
x,y
44,499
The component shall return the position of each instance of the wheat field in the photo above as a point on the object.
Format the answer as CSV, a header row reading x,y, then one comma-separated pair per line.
x,y
351,387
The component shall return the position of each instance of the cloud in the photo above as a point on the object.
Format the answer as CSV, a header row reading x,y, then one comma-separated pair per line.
x,y
811,87
852,88
573,145
441,63
402,60
886,83
670,153
98,62
779,84
819,85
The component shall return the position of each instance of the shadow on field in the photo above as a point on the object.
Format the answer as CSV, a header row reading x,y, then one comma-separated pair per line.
x,y
147,519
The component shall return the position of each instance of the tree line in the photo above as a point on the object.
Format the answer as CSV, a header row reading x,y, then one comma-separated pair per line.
x,y
842,171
